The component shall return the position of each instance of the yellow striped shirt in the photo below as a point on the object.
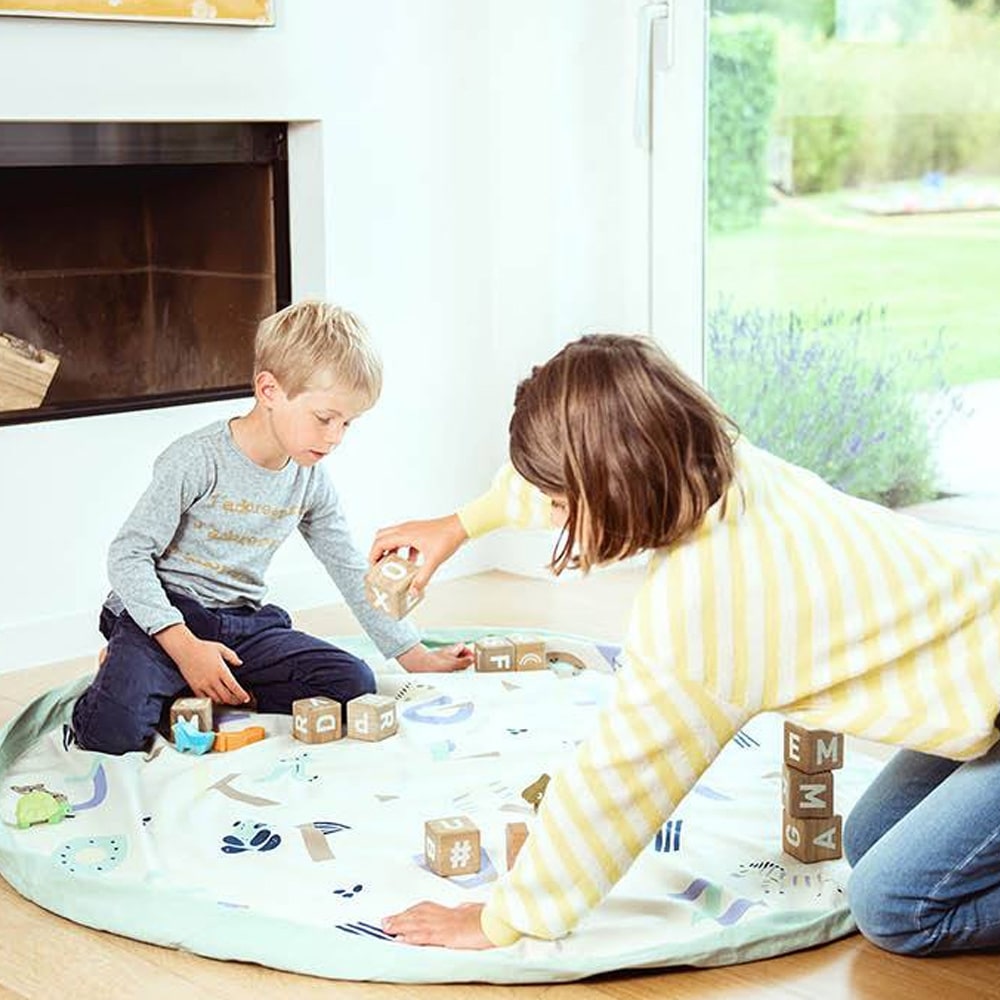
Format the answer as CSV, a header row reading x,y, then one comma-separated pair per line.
x,y
796,598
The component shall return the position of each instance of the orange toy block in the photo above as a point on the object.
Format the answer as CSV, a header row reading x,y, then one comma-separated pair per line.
x,y
234,739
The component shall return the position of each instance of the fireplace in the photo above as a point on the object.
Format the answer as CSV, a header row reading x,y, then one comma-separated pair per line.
x,y
142,256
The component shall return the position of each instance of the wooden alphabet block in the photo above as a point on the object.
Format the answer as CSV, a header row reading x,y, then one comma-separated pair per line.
x,y
811,840
196,711
807,794
387,586
813,750
451,846
494,654
316,720
529,652
517,834
372,717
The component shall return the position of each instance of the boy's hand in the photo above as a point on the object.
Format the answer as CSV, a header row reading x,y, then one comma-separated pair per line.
x,y
421,660
203,664
449,926
435,540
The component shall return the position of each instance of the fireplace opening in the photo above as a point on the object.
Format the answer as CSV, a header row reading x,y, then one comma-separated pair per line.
x,y
136,260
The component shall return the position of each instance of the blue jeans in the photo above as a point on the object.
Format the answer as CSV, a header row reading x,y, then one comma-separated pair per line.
x,y
131,695
924,843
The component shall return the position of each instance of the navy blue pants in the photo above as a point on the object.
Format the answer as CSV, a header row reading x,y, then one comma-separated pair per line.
x,y
131,695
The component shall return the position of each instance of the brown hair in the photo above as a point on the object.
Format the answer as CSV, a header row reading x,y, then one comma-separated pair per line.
x,y
310,340
638,449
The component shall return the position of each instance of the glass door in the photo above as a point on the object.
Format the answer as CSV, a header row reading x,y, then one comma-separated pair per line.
x,y
852,242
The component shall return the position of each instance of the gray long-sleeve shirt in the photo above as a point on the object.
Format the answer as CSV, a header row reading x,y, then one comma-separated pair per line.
x,y
208,525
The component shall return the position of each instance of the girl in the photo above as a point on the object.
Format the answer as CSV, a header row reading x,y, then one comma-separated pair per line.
x,y
767,589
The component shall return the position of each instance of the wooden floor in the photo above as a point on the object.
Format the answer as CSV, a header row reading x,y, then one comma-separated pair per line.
x,y
42,955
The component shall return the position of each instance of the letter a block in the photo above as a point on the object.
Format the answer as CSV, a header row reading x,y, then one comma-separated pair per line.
x,y
387,586
517,834
811,840
371,717
316,720
807,794
494,654
196,711
529,652
451,846
813,750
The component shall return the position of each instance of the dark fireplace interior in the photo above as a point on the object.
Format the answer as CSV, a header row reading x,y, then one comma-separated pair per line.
x,y
143,255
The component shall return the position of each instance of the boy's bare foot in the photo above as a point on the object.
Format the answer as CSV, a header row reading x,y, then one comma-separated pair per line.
x,y
102,656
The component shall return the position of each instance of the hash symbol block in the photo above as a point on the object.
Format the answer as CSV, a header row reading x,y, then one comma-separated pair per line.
x,y
813,750
372,717
811,840
807,794
197,711
494,654
517,834
529,652
387,586
316,720
451,846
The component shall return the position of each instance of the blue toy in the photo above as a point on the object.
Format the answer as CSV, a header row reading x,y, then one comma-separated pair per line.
x,y
188,738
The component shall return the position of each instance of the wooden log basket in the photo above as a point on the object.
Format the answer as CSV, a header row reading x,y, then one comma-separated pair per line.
x,y
25,373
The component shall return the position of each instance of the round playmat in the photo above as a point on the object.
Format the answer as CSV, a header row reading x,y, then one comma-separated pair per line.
x,y
290,854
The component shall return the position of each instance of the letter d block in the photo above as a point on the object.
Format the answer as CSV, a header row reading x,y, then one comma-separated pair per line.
x,y
811,840
387,586
371,717
807,794
813,750
316,720
451,846
529,652
197,711
494,654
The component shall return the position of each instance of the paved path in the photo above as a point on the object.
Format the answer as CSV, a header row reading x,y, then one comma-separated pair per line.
x,y
968,460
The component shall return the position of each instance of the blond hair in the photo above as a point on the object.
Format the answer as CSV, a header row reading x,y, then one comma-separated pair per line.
x,y
638,449
311,341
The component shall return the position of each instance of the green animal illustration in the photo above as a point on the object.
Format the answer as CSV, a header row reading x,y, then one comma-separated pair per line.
x,y
38,805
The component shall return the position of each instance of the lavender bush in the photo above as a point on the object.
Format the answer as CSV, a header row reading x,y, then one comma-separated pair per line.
x,y
803,389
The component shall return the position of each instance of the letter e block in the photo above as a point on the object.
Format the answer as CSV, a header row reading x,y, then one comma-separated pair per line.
x,y
494,654
451,846
517,834
196,711
387,586
807,794
316,720
811,840
372,717
529,652
813,750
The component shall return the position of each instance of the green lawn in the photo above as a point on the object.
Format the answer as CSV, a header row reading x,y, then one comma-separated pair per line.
x,y
933,274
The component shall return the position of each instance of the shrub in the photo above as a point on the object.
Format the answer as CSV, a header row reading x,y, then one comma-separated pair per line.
x,y
808,391
741,92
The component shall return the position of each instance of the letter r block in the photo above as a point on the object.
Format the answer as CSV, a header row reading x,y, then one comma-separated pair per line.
x,y
316,720
372,717
813,750
807,794
387,586
451,846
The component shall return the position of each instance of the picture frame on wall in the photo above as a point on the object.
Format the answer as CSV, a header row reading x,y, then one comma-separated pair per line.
x,y
246,13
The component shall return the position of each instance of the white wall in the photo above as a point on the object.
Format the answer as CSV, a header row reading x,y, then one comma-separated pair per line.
x,y
478,203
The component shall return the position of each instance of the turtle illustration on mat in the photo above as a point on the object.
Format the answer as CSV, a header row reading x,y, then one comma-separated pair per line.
x,y
38,805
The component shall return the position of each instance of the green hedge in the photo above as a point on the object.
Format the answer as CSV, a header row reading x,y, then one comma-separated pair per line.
x,y
741,95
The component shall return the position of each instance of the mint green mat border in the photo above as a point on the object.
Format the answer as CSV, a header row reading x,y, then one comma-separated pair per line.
x,y
176,921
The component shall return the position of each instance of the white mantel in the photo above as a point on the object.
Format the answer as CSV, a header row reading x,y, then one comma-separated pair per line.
x,y
461,176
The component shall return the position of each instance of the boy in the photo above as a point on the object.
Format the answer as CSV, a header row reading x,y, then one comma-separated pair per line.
x,y
187,568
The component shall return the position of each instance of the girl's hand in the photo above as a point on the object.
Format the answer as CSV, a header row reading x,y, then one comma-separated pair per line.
x,y
447,926
435,540
421,660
